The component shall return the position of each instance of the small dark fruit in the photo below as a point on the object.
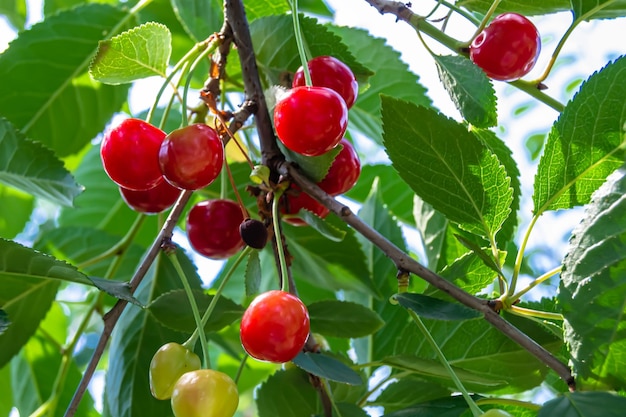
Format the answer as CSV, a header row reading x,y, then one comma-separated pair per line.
x,y
253,233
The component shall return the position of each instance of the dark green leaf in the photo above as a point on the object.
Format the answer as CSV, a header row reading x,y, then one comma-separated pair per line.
x,y
325,229
15,211
407,391
391,76
593,287
315,167
453,406
5,322
33,168
469,88
434,308
117,289
65,109
343,319
394,192
447,166
200,18
277,52
585,144
526,7
34,371
140,52
287,394
350,410
136,338
598,9
327,367
253,274
432,368
173,310
584,404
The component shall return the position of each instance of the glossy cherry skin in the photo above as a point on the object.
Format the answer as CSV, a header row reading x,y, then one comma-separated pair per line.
x,y
344,171
154,200
205,393
130,154
328,71
191,157
310,120
508,48
213,228
275,327
297,200
168,364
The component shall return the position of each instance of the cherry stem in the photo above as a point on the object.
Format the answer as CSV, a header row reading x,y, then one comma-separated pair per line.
x,y
284,276
242,206
486,19
508,401
520,256
194,308
529,312
300,42
189,77
536,282
476,411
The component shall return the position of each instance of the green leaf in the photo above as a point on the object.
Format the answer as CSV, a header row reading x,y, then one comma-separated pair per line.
x,y
593,288
327,367
15,211
343,319
433,228
394,192
447,166
479,348
287,394
136,338
525,7
584,404
15,12
315,167
325,229
469,272
408,391
117,289
585,144
200,18
392,76
140,52
598,9
454,406
469,88
33,168
276,50
435,308
432,368
65,109
34,371
172,309
253,273
6,391
261,8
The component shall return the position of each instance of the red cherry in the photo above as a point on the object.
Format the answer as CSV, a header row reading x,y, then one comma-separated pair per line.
x,y
328,71
344,171
213,228
130,154
297,200
310,120
154,200
275,327
191,157
508,48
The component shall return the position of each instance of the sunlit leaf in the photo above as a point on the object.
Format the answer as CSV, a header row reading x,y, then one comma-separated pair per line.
x,y
525,7
140,52
199,18
598,9
585,144
15,211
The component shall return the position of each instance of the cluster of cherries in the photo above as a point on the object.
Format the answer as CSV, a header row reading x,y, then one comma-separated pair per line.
x,y
312,120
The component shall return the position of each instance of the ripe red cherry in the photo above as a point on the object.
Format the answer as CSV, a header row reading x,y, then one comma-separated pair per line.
x,y
328,71
297,200
213,228
154,200
130,154
274,327
191,157
310,120
508,48
344,171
